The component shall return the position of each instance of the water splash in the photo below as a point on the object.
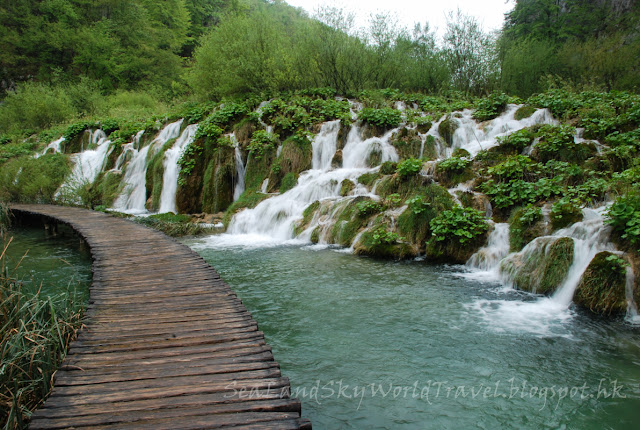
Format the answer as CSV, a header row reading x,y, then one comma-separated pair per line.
x,y
324,145
241,169
87,165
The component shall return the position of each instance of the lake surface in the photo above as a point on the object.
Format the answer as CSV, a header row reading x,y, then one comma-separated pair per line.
x,y
55,264
409,345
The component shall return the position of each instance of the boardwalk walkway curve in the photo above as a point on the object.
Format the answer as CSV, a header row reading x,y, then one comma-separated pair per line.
x,y
166,344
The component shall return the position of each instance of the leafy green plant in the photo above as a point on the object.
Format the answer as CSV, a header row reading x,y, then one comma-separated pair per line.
x,y
453,165
384,117
261,141
514,167
624,218
367,208
565,211
516,141
187,161
417,204
209,130
382,236
409,167
490,107
458,226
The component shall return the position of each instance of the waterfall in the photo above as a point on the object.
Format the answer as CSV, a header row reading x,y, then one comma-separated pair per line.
x,y
632,307
276,216
325,144
134,195
474,137
241,169
172,170
53,147
87,165
488,258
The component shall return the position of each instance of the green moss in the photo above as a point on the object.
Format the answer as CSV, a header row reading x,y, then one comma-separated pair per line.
x,y
403,187
315,235
258,169
388,168
453,171
218,183
525,225
375,158
382,243
602,287
542,266
460,153
289,181
108,186
430,151
524,112
346,187
407,143
349,222
368,179
154,174
447,128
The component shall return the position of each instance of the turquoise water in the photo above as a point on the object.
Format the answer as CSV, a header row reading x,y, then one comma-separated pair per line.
x,y
54,264
408,345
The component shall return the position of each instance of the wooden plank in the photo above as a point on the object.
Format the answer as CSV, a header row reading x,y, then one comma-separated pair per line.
x,y
166,344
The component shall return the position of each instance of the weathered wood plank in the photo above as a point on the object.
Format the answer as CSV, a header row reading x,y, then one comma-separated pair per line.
x,y
166,344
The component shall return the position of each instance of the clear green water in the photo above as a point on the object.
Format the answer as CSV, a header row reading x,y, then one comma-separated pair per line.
x,y
55,264
338,322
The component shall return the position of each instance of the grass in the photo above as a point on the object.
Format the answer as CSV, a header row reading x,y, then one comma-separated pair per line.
x,y
35,331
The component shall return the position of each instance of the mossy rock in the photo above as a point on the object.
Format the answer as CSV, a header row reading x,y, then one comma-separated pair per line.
x,y
78,143
524,112
396,251
346,187
109,185
447,128
258,169
454,252
368,179
521,233
460,153
602,288
244,130
307,216
375,158
336,161
349,223
293,160
424,127
372,130
218,182
289,181
388,168
542,266
407,143
393,184
430,151
315,235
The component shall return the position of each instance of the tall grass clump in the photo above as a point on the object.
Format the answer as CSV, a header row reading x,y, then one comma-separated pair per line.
x,y
34,333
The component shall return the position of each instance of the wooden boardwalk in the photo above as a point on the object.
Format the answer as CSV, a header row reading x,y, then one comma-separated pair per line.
x,y
166,343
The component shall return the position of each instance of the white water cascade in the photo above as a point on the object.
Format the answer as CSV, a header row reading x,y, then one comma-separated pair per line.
x,y
52,148
590,236
133,198
172,171
488,258
241,169
275,217
87,165
475,137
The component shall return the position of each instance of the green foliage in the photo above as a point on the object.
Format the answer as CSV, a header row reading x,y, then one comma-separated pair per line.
x,y
383,118
515,167
523,226
624,218
388,168
516,141
76,129
382,236
453,165
208,129
187,161
490,107
524,112
366,208
369,179
33,180
417,204
409,167
458,225
565,211
261,142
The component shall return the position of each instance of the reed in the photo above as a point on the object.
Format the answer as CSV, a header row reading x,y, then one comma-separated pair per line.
x,y
35,331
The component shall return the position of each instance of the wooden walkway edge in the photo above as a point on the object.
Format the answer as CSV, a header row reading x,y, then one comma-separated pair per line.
x,y
166,344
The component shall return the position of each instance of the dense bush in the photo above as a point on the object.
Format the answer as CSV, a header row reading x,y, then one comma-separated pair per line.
x,y
409,167
458,226
624,218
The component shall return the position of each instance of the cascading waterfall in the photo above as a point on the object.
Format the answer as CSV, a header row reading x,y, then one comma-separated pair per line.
x,y
52,148
276,216
474,137
488,258
172,171
632,306
241,169
87,165
324,145
134,195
